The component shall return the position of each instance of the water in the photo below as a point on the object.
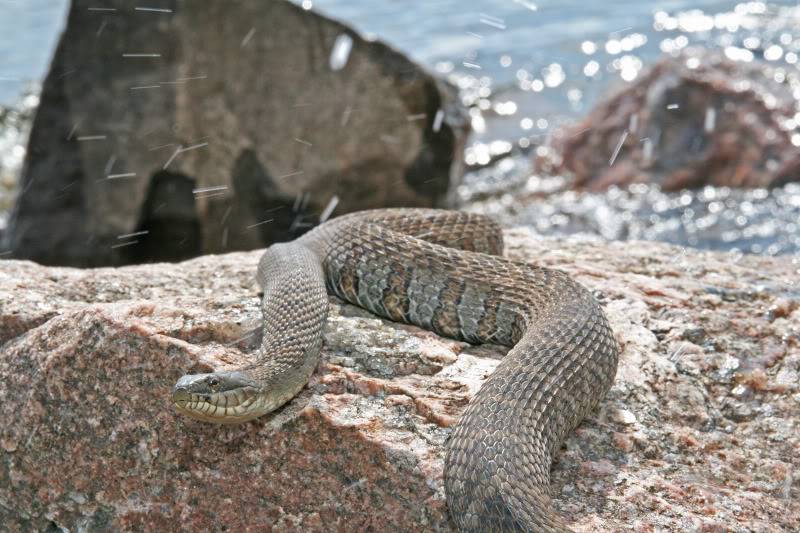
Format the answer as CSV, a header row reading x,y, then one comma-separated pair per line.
x,y
29,31
525,67
756,221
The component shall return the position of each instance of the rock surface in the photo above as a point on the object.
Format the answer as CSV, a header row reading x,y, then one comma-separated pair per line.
x,y
699,432
202,127
696,119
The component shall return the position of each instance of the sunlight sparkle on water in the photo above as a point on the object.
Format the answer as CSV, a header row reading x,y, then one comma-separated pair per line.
x,y
773,53
588,47
553,75
735,53
341,51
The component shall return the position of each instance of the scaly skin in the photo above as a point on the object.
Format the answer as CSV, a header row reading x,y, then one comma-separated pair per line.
x,y
440,270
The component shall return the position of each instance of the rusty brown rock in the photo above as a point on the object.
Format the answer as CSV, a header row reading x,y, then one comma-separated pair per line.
x,y
693,120
700,430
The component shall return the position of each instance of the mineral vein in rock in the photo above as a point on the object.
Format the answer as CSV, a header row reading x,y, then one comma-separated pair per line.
x,y
440,270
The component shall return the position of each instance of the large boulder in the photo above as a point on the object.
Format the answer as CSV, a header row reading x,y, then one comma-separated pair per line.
x,y
700,431
200,127
693,120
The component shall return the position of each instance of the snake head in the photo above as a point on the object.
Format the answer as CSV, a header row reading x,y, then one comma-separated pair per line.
x,y
221,397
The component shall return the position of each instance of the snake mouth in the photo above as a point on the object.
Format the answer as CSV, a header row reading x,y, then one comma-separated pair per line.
x,y
225,407
219,398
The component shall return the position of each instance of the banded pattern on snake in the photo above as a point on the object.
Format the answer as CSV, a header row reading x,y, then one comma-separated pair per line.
x,y
440,270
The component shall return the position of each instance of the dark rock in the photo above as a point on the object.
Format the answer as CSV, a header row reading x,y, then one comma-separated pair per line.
x,y
693,120
222,125
90,442
695,334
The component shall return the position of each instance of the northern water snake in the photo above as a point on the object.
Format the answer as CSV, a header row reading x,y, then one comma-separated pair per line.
x,y
440,270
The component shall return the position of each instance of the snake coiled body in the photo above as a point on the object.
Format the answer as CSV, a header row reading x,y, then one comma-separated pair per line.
x,y
440,270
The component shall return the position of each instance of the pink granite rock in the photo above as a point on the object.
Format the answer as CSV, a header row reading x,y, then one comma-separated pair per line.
x,y
699,432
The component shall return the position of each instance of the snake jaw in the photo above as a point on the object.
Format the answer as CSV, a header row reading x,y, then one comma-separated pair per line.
x,y
221,397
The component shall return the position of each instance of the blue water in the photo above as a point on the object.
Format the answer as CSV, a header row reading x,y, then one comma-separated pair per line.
x,y
29,31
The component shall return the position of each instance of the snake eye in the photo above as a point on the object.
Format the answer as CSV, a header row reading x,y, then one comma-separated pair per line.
x,y
212,381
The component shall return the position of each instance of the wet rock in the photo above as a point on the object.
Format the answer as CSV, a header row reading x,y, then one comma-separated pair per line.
x,y
693,120
220,126
88,358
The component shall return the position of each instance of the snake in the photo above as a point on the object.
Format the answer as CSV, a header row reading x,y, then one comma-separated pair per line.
x,y
441,270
